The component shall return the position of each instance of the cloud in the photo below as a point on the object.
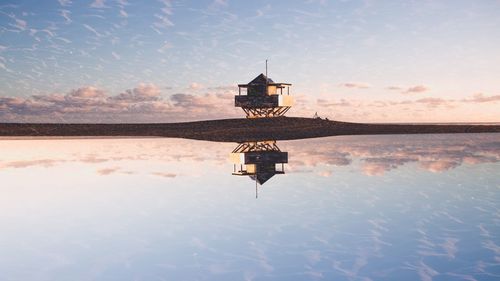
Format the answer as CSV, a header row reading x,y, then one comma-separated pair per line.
x,y
166,45
328,103
98,4
195,86
29,163
481,98
217,4
355,85
394,88
107,171
435,102
377,166
123,14
65,3
163,20
381,154
416,89
142,93
165,175
91,29
225,88
144,103
19,23
66,15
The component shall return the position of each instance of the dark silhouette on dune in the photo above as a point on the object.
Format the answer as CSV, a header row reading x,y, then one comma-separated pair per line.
x,y
237,130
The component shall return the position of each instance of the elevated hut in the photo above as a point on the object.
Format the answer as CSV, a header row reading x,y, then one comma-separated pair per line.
x,y
264,98
260,160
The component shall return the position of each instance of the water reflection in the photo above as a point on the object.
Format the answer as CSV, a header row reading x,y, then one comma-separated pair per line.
x,y
372,155
260,160
384,208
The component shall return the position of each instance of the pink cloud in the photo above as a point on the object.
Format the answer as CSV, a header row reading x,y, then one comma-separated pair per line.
x,y
107,171
435,102
394,88
195,86
480,98
416,89
144,103
165,175
355,85
379,155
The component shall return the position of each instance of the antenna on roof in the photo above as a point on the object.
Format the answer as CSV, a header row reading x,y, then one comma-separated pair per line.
x,y
266,68
267,81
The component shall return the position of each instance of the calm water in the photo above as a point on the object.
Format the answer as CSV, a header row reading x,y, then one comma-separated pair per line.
x,y
347,208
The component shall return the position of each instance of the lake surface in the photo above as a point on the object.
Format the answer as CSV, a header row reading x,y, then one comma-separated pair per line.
x,y
408,207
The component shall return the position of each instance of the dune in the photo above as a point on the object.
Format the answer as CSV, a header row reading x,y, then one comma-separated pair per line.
x,y
236,130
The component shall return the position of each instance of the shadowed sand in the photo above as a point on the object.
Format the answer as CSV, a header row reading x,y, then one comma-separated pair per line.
x,y
237,130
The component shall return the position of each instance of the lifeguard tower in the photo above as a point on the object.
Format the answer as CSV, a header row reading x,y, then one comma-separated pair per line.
x,y
260,160
263,98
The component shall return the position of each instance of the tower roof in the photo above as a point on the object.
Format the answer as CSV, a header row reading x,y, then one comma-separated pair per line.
x,y
261,79
262,177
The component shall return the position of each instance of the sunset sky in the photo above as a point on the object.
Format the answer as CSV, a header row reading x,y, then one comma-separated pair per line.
x,y
166,61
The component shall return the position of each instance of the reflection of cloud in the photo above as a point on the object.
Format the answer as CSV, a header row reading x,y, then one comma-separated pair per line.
x,y
376,166
325,174
440,165
108,156
106,171
165,175
376,169
29,163
380,154
374,155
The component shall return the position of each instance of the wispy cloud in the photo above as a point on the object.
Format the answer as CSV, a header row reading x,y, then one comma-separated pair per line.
x,y
163,19
66,15
481,98
409,90
91,29
65,3
355,85
164,174
395,88
98,4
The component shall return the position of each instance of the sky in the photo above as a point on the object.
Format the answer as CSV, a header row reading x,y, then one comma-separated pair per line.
x,y
169,61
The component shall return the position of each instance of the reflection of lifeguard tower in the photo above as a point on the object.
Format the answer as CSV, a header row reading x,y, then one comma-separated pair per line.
x,y
260,160
264,98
